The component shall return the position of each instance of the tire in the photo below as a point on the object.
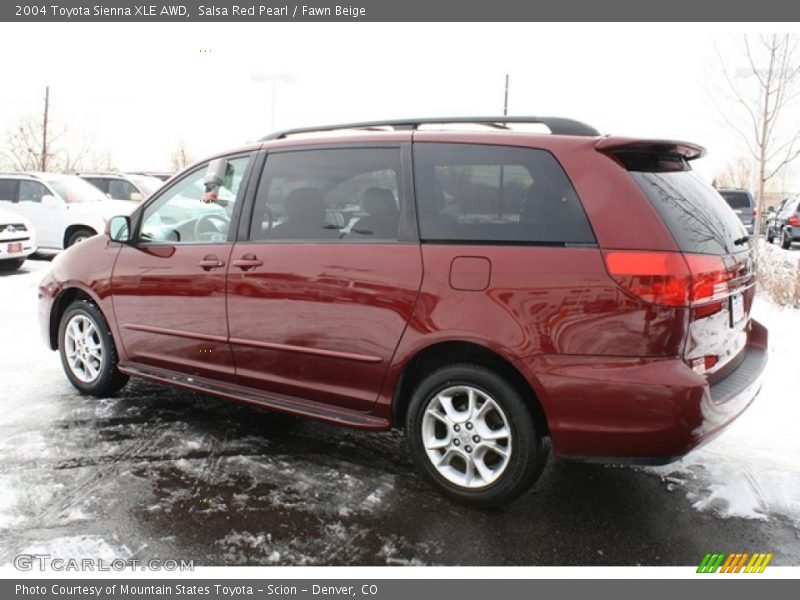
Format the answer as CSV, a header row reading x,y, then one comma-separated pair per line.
x,y
770,237
77,236
786,243
87,350
11,264
496,476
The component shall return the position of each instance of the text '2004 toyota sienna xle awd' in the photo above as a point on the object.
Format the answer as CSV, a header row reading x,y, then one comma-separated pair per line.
x,y
484,290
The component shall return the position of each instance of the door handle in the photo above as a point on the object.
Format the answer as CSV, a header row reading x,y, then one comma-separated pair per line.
x,y
247,262
211,262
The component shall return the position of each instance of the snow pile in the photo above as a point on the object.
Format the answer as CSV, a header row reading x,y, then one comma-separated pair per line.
x,y
752,470
80,546
779,274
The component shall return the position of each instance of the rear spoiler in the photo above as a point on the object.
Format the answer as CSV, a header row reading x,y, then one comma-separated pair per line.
x,y
613,145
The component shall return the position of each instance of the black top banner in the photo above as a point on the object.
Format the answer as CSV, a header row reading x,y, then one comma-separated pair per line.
x,y
402,10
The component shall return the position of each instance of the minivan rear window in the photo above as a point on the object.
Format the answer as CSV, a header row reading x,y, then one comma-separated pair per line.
x,y
698,217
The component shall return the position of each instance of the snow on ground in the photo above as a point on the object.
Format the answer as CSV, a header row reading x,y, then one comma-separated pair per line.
x,y
752,470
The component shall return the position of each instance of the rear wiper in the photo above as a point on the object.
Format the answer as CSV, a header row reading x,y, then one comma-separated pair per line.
x,y
742,240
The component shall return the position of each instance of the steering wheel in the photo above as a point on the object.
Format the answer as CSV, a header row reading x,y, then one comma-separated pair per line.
x,y
220,227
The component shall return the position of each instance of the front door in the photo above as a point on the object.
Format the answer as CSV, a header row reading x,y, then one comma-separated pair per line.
x,y
320,294
169,284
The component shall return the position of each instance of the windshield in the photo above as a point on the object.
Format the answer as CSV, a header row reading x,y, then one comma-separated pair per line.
x,y
696,215
146,184
74,189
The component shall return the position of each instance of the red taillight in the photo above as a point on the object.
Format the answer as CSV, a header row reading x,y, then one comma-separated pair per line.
x,y
669,278
794,221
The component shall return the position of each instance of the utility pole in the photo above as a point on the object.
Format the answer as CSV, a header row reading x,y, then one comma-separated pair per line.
x,y
44,128
505,100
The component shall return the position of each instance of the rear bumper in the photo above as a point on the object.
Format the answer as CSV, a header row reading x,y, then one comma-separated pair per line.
x,y
641,410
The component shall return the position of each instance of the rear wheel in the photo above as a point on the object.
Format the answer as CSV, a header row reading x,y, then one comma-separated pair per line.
x,y
79,235
11,264
473,436
87,350
786,243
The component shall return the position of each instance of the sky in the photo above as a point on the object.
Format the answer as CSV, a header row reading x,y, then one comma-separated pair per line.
x,y
139,90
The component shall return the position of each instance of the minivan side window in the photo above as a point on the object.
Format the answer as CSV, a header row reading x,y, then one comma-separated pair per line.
x,y
347,194
482,194
180,215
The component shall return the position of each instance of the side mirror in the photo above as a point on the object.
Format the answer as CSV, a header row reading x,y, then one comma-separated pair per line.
x,y
770,209
51,201
215,172
135,197
119,229
218,174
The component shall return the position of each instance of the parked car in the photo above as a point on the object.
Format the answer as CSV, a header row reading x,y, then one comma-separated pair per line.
x,y
64,209
784,223
743,204
123,186
17,240
162,175
499,289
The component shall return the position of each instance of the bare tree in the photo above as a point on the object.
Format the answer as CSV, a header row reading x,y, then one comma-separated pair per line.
x,y
21,149
763,110
735,174
180,158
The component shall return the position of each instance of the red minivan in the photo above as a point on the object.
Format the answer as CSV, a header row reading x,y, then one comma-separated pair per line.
x,y
491,291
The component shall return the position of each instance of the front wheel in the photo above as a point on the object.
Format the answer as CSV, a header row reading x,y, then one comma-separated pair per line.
x,y
474,436
79,236
770,236
87,350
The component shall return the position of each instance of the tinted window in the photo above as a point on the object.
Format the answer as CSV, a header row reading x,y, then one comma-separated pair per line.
x,y
698,217
101,184
30,191
8,190
120,189
482,193
737,199
323,195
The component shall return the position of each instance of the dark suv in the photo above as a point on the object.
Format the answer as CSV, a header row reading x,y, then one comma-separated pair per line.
x,y
784,223
486,291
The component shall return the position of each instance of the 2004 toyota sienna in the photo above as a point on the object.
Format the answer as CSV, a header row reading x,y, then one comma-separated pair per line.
x,y
493,292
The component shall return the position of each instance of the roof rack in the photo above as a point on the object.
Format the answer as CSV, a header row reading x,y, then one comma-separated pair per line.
x,y
556,125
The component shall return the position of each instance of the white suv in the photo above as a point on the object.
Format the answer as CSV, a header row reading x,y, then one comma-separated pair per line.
x,y
17,240
64,209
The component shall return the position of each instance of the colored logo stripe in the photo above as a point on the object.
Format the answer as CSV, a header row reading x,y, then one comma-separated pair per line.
x,y
734,563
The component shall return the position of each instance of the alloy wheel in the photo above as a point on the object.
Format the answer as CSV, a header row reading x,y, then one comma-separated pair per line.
x,y
467,437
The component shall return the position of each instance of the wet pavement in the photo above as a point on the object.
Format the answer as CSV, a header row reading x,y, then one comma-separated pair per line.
x,y
162,473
